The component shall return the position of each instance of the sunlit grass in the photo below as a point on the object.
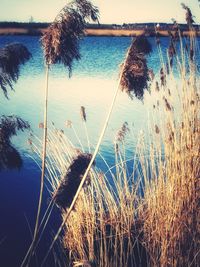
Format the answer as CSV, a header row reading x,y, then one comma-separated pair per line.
x,y
149,215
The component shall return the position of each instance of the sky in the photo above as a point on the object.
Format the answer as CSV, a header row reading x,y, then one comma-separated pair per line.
x,y
111,11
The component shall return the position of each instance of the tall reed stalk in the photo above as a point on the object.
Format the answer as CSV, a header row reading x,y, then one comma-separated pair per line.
x,y
128,76
61,45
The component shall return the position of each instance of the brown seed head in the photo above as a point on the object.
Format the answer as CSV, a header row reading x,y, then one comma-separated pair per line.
x,y
135,74
61,40
83,113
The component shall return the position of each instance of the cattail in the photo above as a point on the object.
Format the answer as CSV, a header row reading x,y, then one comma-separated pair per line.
x,y
64,194
135,72
9,156
83,113
11,57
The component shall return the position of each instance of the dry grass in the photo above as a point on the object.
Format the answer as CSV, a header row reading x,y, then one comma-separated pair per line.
x,y
171,209
153,220
110,223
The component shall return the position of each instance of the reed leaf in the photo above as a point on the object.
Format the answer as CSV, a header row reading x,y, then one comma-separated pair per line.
x,y
11,57
135,74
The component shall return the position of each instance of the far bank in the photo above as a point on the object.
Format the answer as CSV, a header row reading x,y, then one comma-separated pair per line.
x,y
93,32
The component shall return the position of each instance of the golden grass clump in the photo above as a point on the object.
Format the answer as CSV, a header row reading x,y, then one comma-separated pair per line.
x,y
171,209
101,229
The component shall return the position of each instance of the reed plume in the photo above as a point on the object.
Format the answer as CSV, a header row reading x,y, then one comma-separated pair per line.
x,y
11,57
61,40
83,114
61,45
188,16
174,37
135,75
9,156
121,134
68,186
87,9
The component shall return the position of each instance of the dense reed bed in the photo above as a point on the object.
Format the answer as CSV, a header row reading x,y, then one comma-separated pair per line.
x,y
170,210
149,217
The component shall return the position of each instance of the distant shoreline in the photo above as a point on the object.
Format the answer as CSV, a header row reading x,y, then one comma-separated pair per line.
x,y
126,30
89,32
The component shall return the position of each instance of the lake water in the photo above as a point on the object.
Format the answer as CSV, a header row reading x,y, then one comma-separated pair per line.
x,y
92,85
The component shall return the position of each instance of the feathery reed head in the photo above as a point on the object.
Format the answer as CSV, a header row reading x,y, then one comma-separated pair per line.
x,y
9,156
142,45
9,125
11,57
61,40
122,132
135,74
83,114
87,9
66,191
172,48
189,16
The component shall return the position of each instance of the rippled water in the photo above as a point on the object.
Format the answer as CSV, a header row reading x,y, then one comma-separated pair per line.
x,y
92,85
